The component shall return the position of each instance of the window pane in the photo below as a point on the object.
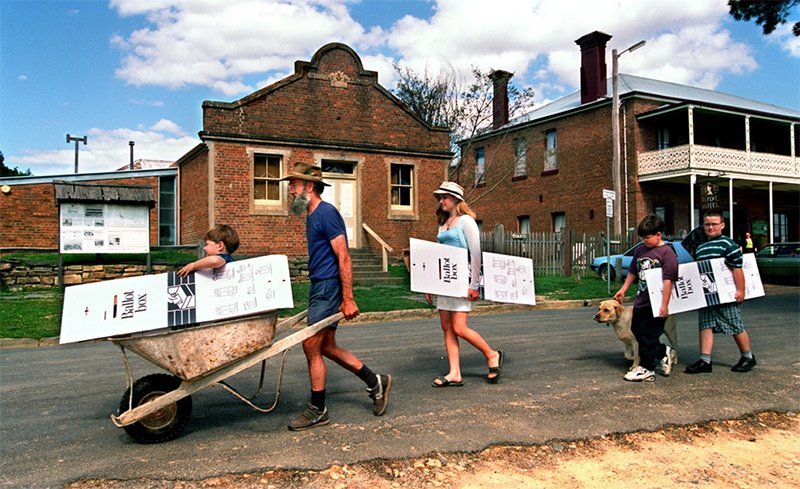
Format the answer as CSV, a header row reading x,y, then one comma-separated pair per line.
x,y
273,191
274,167
259,190
343,167
260,166
405,175
405,195
395,196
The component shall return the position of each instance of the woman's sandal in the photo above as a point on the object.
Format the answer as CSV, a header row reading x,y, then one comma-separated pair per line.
x,y
496,370
443,382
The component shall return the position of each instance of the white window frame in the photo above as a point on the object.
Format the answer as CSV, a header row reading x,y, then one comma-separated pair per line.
x,y
410,186
403,212
277,206
551,150
480,166
520,158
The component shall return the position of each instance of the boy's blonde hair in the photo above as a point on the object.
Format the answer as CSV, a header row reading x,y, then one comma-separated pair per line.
x,y
226,234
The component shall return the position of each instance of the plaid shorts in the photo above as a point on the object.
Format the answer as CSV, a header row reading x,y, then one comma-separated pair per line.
x,y
724,318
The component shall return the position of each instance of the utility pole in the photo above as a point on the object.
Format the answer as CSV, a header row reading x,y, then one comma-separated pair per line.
x,y
615,158
77,140
131,143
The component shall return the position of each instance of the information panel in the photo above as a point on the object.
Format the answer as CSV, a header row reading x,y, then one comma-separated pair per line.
x,y
104,228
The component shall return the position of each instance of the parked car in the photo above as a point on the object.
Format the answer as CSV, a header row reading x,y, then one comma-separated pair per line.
x,y
600,264
779,262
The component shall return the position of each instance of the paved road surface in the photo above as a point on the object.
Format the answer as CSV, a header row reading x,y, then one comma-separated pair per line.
x,y
562,380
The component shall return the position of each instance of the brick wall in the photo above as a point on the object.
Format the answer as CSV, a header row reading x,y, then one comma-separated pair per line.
x,y
575,188
193,196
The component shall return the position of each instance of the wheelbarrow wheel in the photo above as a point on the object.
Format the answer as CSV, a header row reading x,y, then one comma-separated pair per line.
x,y
164,424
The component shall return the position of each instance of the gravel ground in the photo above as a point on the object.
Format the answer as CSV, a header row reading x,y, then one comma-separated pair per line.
x,y
760,451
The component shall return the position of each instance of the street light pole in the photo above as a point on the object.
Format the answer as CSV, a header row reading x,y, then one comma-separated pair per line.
x,y
77,140
615,158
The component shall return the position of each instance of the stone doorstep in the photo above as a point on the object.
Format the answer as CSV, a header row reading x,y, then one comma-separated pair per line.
x,y
369,317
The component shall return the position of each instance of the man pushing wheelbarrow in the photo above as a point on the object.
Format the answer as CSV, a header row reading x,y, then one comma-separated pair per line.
x,y
331,291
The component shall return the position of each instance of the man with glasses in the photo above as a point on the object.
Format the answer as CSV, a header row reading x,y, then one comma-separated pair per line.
x,y
722,318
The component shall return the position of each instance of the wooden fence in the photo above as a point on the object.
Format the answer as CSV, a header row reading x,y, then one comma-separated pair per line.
x,y
561,253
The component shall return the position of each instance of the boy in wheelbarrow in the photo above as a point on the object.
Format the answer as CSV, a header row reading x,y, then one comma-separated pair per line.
x,y
331,275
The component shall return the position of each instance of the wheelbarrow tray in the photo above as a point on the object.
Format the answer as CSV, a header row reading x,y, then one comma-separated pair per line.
x,y
193,352
217,374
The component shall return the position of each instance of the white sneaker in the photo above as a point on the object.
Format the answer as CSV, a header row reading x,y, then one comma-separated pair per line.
x,y
669,360
640,374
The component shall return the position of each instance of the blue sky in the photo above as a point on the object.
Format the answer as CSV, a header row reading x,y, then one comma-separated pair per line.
x,y
138,70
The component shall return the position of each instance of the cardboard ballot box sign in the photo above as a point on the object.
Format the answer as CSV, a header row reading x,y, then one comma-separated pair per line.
x,y
508,279
704,283
135,304
438,269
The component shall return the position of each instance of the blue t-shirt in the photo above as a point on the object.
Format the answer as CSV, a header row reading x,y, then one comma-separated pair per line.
x,y
322,225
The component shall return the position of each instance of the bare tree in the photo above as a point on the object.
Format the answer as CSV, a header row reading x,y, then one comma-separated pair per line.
x,y
441,100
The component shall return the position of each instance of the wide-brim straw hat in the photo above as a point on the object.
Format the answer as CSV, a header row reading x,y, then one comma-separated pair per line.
x,y
449,188
309,173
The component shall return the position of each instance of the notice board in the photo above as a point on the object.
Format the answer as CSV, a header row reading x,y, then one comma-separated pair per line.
x,y
104,228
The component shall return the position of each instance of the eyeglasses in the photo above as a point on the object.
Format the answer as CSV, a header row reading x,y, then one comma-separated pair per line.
x,y
711,224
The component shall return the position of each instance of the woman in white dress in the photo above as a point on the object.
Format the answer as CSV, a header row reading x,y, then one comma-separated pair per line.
x,y
457,227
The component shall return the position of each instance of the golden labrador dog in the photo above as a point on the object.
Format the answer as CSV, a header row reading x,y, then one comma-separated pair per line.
x,y
612,313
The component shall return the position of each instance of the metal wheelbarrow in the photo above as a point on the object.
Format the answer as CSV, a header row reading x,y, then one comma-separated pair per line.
x,y
156,408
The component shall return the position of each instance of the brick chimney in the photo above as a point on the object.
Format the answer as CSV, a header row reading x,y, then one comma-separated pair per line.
x,y
500,97
593,66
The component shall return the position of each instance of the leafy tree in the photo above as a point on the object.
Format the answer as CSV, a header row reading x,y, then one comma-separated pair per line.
x,y
766,13
441,100
11,172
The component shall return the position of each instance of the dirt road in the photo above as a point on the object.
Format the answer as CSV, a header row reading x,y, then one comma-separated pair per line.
x,y
762,450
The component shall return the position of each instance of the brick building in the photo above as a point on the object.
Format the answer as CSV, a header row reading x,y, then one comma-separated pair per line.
x,y
29,211
381,160
546,170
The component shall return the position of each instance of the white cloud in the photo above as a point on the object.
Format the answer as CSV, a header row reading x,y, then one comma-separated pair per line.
x,y
239,47
22,77
218,44
108,150
788,41
685,40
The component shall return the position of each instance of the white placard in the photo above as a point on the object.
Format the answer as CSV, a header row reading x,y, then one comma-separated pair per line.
x,y
704,283
104,228
438,269
508,279
164,300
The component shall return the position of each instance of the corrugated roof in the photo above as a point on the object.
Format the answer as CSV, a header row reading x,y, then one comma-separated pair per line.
x,y
631,84
119,194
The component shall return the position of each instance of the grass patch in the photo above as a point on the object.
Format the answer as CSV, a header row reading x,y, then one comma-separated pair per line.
x,y
37,314
167,257
30,315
